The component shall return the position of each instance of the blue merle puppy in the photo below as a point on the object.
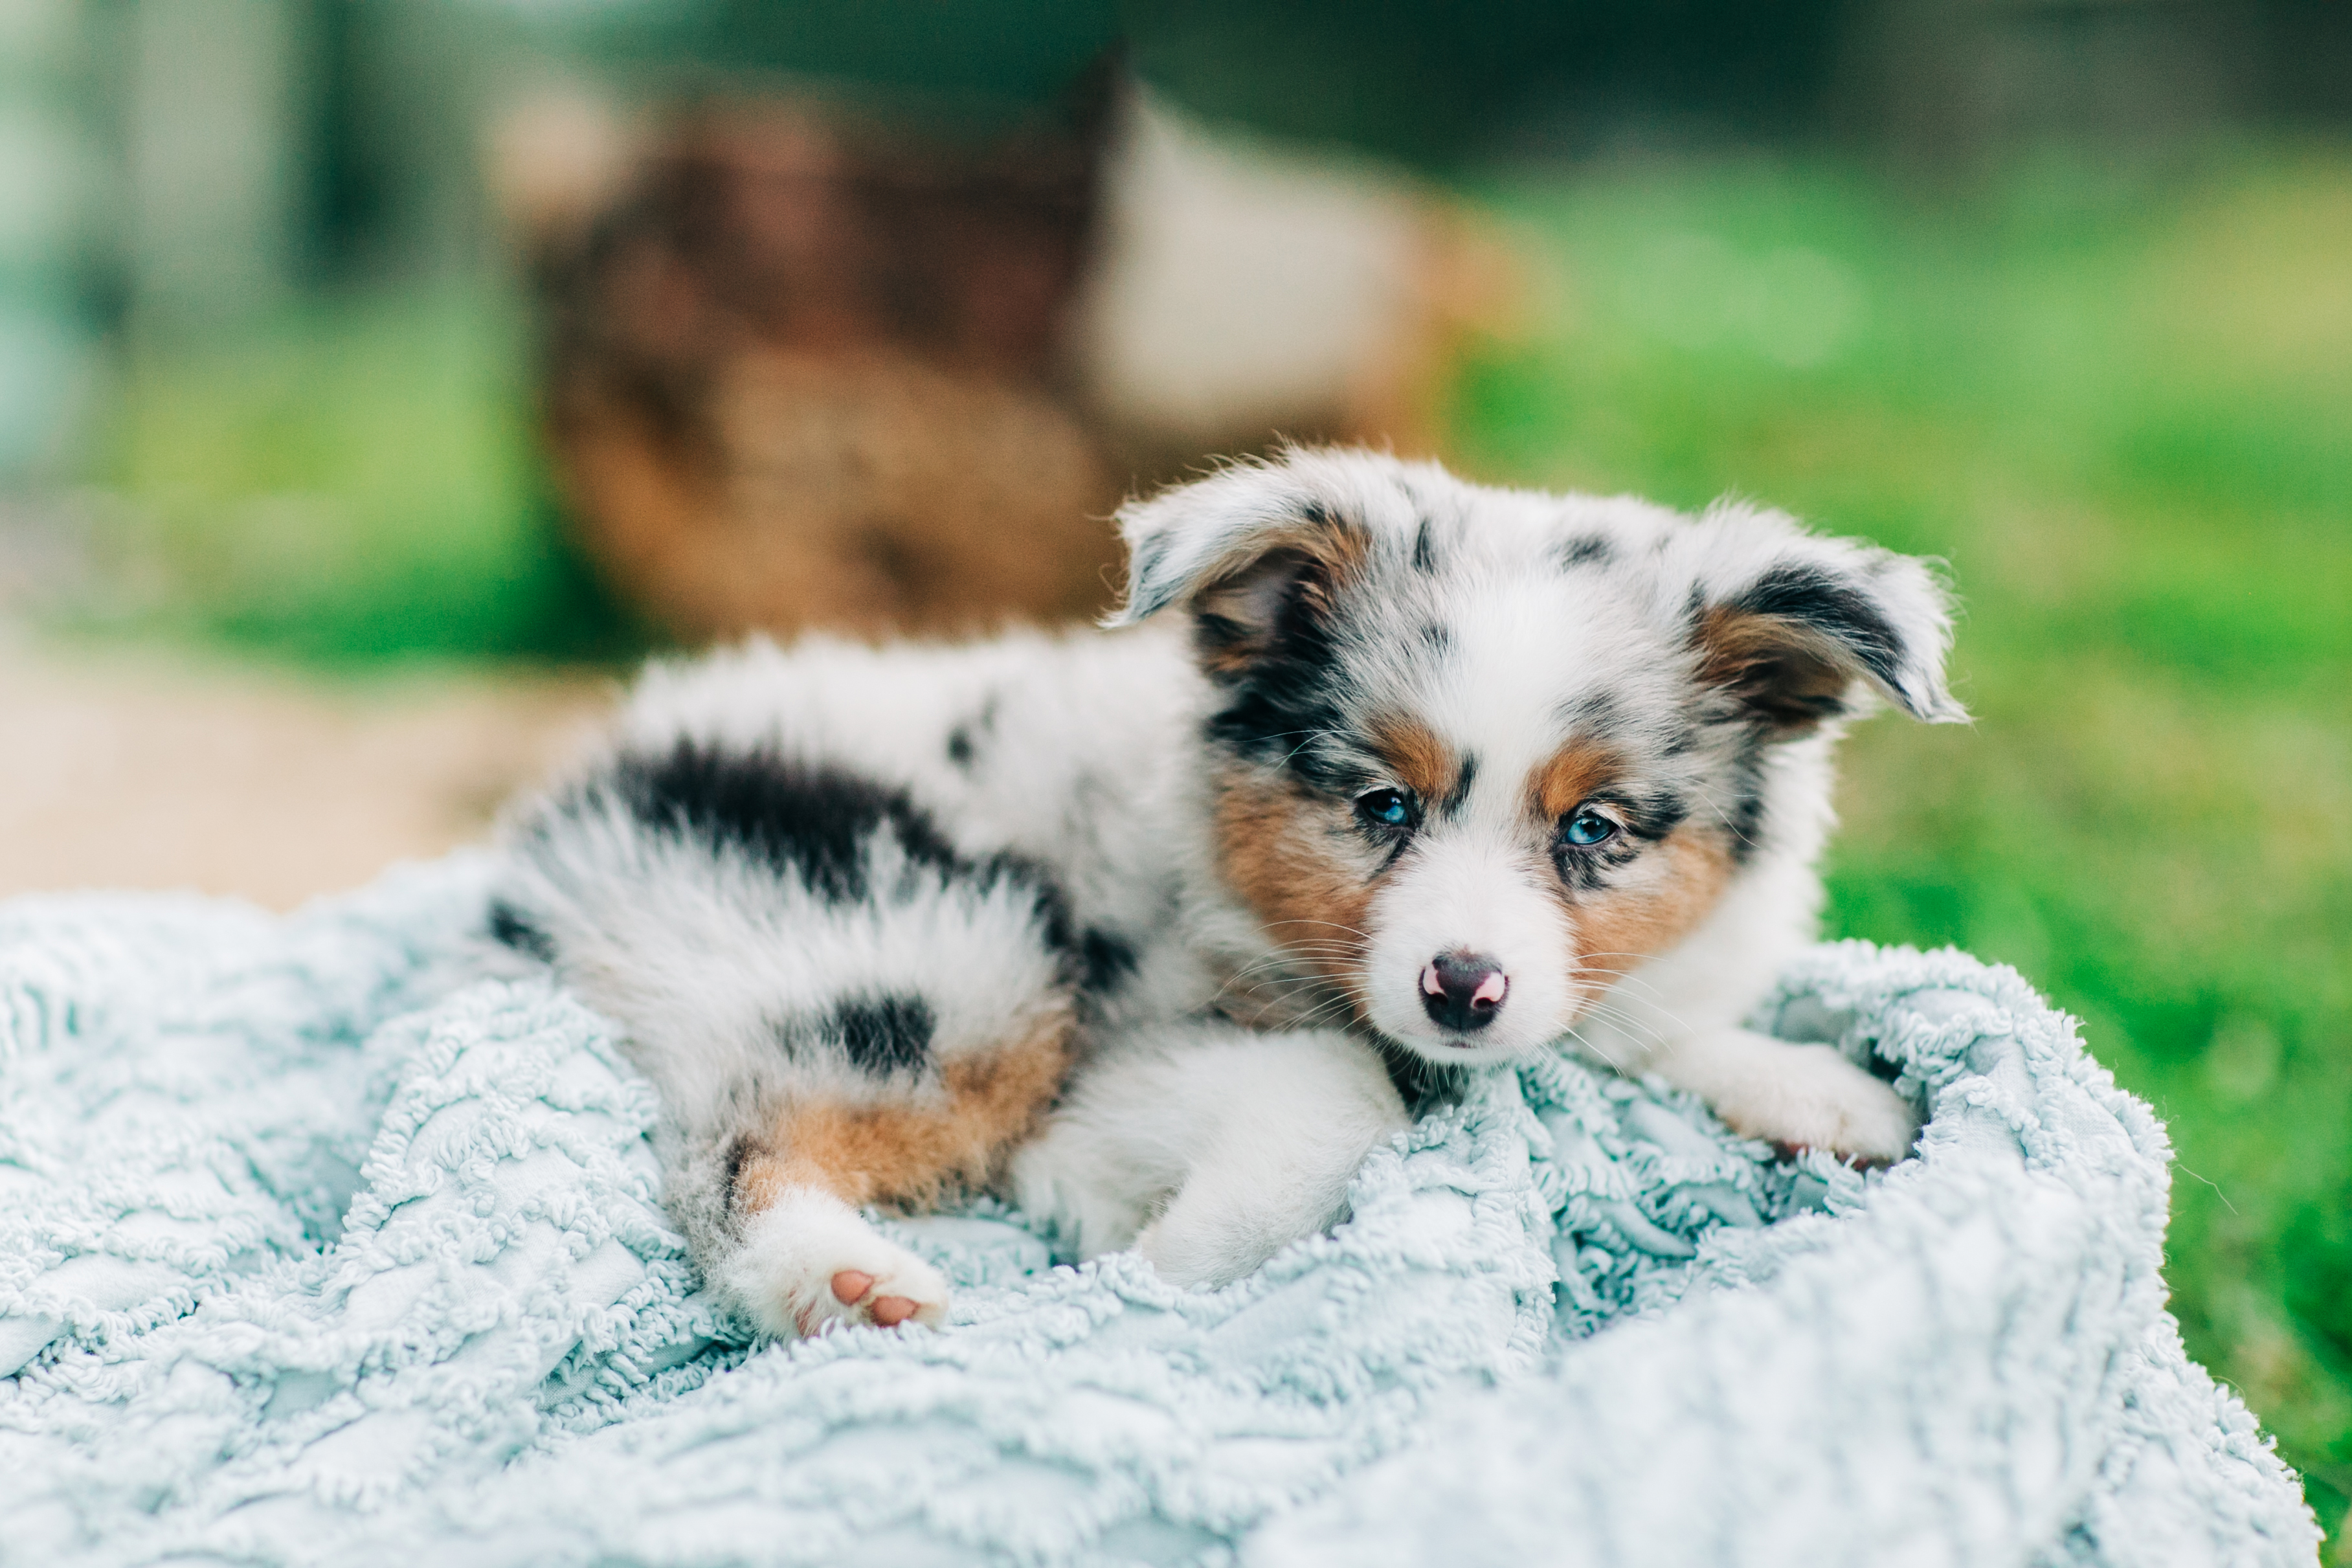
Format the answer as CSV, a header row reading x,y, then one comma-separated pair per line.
x,y
1376,775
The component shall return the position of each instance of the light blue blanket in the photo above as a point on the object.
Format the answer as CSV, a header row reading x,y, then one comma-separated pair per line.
x,y
314,1250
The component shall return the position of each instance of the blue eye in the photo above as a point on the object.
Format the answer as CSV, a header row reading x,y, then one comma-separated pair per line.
x,y
1587,828
1388,807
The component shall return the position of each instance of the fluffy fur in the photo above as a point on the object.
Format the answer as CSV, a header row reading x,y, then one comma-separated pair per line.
x,y
1421,776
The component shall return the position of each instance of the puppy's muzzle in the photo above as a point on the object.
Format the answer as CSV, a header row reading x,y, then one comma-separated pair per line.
x,y
1462,990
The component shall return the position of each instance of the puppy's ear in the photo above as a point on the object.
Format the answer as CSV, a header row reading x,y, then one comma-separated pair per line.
x,y
1250,554
1790,629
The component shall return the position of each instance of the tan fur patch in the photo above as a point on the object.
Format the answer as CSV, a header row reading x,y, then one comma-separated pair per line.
x,y
913,1154
1278,851
1568,778
1792,675
1617,930
1323,556
1423,763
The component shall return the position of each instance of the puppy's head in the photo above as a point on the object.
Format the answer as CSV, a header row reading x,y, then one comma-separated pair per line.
x,y
1478,753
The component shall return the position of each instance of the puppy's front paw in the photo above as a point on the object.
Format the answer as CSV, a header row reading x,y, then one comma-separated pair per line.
x,y
1814,1098
1069,1179
1223,1223
809,1261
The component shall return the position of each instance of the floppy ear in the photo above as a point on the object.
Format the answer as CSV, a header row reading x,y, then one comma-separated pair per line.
x,y
1249,553
1791,633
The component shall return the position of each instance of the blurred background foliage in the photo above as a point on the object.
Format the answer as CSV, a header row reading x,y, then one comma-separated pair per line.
x,y
2059,291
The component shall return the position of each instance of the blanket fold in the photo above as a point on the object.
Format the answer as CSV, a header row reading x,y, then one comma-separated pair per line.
x,y
315,1247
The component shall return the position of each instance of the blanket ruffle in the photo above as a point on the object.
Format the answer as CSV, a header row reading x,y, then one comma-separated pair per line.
x,y
315,1248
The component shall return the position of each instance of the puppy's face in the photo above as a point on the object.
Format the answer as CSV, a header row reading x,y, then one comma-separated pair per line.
x,y
1476,754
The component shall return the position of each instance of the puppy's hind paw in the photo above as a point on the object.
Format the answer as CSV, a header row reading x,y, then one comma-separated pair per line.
x,y
1211,1235
809,1262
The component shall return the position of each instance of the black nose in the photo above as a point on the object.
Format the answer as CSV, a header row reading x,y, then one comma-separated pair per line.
x,y
1462,990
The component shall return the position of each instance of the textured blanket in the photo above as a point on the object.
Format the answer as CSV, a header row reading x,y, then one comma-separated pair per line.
x,y
315,1250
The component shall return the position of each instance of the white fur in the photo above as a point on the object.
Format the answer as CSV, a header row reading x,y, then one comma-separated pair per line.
x,y
1210,1148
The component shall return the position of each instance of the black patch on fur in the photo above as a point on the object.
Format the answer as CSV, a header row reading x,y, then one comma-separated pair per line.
x,y
812,819
1281,700
1421,1083
1596,714
1743,811
512,928
1651,817
1398,844
1460,792
1424,547
1812,597
1589,549
737,1152
1582,868
1746,821
1436,638
963,739
884,1035
1052,905
1106,959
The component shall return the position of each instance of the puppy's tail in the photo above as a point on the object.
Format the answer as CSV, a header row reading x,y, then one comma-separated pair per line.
x,y
823,987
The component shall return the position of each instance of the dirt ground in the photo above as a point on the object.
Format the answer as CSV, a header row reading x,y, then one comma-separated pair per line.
x,y
153,770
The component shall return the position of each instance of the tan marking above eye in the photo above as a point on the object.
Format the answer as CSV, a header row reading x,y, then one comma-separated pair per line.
x,y
1568,778
1421,762
1616,929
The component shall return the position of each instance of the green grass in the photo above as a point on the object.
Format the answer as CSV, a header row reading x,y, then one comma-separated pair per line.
x,y
2121,407
354,482
2122,410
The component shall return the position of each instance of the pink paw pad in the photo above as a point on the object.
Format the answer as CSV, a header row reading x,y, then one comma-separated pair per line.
x,y
850,1287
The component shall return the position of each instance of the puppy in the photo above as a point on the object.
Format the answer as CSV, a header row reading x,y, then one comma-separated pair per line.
x,y
1145,928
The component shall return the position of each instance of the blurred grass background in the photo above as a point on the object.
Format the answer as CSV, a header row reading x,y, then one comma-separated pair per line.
x,y
351,481
2120,405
